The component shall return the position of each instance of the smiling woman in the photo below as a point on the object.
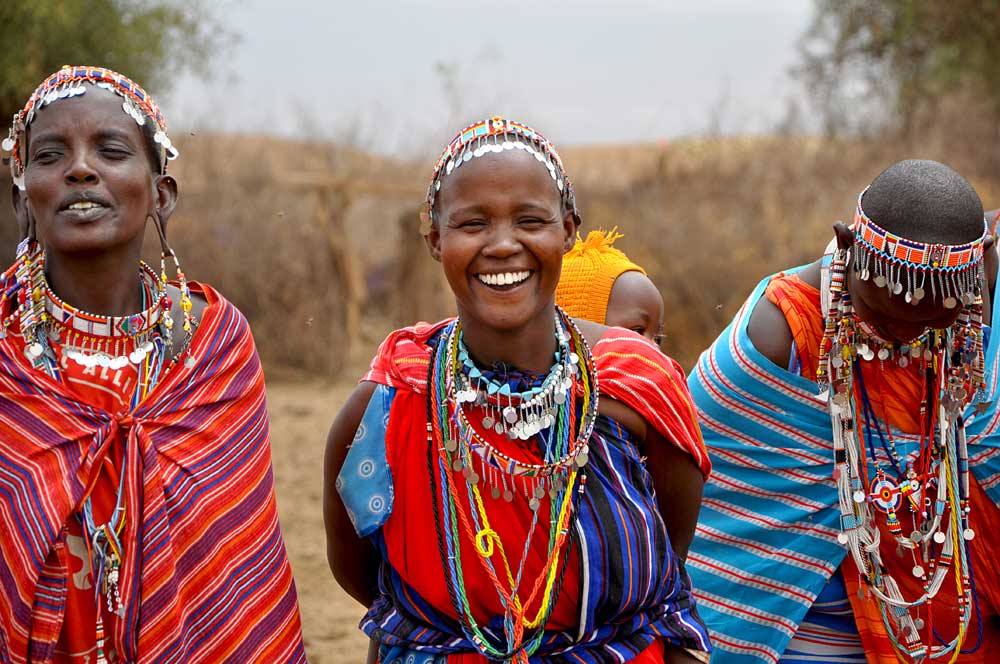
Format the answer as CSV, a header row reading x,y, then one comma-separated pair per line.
x,y
135,441
496,487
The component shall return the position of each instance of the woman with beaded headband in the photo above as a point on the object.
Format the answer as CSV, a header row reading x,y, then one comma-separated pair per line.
x,y
851,412
515,485
138,514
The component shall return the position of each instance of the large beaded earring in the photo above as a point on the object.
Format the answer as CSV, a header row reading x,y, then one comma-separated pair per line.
x,y
30,278
165,301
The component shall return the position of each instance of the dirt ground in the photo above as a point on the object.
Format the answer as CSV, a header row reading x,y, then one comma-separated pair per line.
x,y
300,417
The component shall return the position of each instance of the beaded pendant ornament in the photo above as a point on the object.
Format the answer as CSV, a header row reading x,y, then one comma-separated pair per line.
x,y
463,460
924,497
143,339
492,136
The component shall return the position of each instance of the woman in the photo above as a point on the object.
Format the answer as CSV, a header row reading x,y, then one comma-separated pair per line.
x,y
600,283
491,506
133,428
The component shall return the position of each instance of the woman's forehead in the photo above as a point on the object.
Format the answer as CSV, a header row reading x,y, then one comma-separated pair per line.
x,y
98,109
509,172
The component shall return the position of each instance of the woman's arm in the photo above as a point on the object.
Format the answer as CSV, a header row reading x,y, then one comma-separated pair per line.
x,y
676,477
679,484
353,560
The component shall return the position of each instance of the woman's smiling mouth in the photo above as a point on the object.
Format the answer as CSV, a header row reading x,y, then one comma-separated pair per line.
x,y
504,280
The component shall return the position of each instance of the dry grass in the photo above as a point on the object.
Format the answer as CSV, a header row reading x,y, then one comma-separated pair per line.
x,y
301,413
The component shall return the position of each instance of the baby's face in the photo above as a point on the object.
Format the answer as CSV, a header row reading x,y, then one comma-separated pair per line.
x,y
636,304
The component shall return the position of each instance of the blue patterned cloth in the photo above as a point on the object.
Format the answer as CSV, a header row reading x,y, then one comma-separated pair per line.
x,y
365,479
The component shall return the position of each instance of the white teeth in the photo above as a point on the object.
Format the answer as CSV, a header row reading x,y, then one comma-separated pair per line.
x,y
83,205
504,278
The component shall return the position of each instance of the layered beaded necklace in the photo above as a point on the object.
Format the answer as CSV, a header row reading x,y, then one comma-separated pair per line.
x,y
927,491
462,459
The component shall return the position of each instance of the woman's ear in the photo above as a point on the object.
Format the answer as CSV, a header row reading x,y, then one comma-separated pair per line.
x,y
570,223
433,239
845,236
165,190
21,211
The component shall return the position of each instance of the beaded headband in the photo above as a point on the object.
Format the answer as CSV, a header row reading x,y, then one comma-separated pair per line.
x,y
902,265
69,82
494,136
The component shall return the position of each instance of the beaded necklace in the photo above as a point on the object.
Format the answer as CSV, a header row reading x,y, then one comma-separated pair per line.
x,y
951,361
455,446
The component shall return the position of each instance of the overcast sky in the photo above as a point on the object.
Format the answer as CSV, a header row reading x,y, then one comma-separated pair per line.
x,y
581,71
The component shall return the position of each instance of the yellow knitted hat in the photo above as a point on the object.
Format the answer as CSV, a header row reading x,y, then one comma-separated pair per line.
x,y
589,271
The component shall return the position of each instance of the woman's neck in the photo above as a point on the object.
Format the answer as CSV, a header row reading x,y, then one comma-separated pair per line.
x,y
530,348
103,285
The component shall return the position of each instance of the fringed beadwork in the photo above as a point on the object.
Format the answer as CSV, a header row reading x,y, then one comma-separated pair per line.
x,y
917,269
932,487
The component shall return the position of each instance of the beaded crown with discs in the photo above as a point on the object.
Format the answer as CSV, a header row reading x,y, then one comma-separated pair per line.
x,y
143,339
928,489
494,136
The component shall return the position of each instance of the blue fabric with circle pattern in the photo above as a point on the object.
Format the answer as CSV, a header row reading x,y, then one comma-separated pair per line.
x,y
365,481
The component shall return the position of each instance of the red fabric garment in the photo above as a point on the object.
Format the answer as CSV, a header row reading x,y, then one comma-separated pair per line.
x,y
109,390
630,369
895,395
205,577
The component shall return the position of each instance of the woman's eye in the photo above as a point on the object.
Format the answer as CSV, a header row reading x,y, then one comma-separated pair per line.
x,y
639,330
46,156
115,152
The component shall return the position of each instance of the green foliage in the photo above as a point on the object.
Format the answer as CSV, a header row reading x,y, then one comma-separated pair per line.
x,y
149,41
878,60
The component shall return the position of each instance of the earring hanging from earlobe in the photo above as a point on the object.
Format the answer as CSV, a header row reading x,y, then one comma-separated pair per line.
x,y
30,277
165,300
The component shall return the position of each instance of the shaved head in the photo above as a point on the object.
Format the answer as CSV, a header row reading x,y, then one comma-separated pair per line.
x,y
925,201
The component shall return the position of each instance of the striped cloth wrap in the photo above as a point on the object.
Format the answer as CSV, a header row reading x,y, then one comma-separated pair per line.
x,y
766,542
205,577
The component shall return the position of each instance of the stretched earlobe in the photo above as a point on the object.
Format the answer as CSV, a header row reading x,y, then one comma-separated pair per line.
x,y
844,235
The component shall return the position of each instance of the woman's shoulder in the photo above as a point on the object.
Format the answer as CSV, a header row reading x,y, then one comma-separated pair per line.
x,y
403,357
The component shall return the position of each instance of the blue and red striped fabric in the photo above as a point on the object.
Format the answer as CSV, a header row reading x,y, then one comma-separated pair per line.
x,y
633,592
205,576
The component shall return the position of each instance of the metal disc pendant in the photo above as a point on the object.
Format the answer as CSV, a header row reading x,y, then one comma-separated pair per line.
x,y
488,422
508,495
457,465
539,491
950,302
495,493
510,414
533,504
